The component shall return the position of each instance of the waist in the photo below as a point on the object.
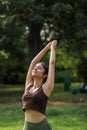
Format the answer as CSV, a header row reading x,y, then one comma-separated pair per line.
x,y
33,116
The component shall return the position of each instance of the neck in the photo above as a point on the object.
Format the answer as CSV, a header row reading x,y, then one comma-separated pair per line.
x,y
37,83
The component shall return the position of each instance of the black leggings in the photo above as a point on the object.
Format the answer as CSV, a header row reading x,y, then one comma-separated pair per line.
x,y
43,125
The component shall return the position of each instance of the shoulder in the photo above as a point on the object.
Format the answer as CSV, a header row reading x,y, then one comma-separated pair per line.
x,y
28,86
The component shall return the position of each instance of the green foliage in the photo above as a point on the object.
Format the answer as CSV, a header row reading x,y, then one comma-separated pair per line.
x,y
82,68
21,22
3,63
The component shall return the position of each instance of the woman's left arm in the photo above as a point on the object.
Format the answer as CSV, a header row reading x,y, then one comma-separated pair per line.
x,y
49,85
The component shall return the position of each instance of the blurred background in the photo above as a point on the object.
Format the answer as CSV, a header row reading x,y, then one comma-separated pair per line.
x,y
26,26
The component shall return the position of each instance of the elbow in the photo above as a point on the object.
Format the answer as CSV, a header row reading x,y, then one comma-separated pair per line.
x,y
33,61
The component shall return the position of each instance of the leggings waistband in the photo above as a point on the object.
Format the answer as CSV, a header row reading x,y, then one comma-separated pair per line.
x,y
41,122
42,125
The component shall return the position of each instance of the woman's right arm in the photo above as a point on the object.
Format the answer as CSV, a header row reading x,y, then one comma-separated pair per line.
x,y
37,58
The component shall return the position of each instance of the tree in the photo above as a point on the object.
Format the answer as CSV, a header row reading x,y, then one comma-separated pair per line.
x,y
33,21
32,15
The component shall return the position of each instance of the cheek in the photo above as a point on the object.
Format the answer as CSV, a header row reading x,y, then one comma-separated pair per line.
x,y
41,73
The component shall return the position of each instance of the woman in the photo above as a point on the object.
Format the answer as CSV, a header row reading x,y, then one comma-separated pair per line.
x,y
38,87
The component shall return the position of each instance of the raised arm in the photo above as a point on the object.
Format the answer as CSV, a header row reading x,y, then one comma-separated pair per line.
x,y
49,85
36,59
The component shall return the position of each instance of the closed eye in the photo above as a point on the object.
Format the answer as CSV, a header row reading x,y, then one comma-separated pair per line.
x,y
38,67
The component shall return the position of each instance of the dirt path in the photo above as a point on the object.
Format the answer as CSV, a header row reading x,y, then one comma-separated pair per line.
x,y
62,103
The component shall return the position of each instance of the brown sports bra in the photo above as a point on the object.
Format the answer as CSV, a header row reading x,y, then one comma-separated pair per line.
x,y
36,101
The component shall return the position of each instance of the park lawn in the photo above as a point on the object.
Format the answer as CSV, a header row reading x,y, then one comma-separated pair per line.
x,y
65,111
61,117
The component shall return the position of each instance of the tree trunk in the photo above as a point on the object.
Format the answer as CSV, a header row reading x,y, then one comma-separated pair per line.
x,y
34,39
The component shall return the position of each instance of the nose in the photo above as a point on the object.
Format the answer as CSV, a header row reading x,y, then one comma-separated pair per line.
x,y
35,68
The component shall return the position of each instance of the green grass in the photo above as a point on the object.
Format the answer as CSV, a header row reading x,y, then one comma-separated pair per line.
x,y
67,117
65,111
11,117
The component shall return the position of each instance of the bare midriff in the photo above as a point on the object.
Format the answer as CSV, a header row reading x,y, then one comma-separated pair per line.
x,y
33,116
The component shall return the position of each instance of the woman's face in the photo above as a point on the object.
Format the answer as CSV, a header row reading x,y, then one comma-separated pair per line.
x,y
38,71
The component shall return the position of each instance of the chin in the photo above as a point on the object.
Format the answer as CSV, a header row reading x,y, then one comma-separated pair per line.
x,y
33,75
